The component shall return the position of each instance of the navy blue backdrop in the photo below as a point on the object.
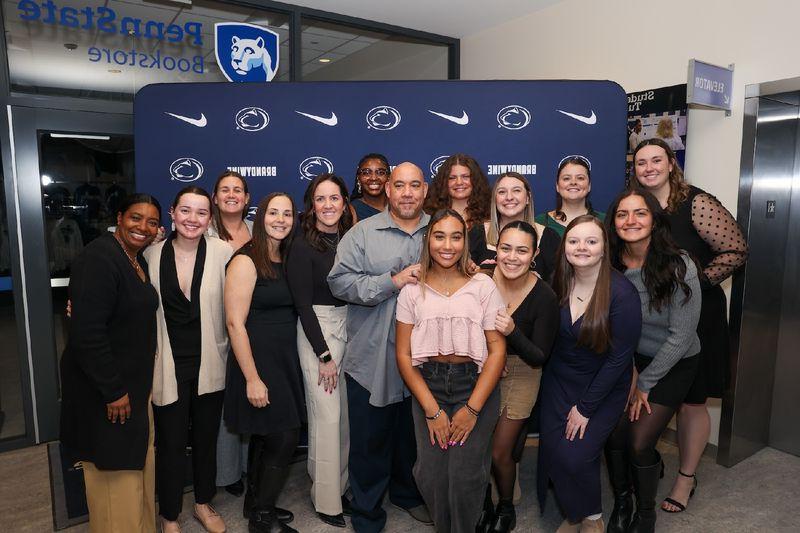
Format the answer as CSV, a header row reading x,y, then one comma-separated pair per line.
x,y
281,134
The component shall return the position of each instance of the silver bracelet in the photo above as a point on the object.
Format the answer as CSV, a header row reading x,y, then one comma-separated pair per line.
x,y
434,417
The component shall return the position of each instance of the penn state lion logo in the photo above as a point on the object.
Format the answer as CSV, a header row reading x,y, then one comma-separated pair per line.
x,y
246,52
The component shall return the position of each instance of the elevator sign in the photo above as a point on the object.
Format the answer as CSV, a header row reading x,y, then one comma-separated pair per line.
x,y
709,85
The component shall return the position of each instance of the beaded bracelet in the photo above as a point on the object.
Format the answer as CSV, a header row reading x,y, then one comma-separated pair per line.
x,y
434,417
472,411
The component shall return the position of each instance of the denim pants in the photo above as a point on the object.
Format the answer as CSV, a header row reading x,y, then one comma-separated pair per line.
x,y
453,481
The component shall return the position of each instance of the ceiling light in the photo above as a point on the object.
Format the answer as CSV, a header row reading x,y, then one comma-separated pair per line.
x,y
80,136
324,60
46,180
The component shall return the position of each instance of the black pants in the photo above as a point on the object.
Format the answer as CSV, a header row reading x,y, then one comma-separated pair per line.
x,y
382,454
172,434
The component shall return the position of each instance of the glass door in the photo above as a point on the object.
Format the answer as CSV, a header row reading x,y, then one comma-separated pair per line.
x,y
72,169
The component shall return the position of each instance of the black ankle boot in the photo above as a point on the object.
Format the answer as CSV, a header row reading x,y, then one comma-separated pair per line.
x,y
645,483
487,515
505,517
266,521
619,473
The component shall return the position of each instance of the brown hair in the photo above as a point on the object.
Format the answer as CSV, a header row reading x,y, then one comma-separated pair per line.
x,y
493,235
678,188
218,225
595,332
259,244
439,191
425,259
309,218
573,160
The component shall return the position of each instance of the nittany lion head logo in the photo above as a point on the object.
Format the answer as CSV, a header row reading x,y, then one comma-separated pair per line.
x,y
186,169
513,117
246,52
313,166
383,118
252,119
436,163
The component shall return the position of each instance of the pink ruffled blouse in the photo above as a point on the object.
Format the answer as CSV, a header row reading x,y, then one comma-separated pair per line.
x,y
452,324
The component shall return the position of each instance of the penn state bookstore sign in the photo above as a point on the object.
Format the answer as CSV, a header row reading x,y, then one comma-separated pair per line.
x,y
280,135
244,52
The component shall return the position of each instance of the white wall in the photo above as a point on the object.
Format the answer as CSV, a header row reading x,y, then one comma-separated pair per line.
x,y
642,45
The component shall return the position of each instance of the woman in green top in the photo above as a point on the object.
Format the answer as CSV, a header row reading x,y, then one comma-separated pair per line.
x,y
573,184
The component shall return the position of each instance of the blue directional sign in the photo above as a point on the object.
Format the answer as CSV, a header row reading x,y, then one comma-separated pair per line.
x,y
709,85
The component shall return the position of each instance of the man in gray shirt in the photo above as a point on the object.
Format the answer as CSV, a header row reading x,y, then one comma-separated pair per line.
x,y
374,260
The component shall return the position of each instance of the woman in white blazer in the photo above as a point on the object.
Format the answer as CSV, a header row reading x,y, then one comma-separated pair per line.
x,y
188,271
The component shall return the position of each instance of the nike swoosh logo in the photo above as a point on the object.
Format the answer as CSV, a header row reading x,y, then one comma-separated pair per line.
x,y
332,121
591,119
199,122
463,120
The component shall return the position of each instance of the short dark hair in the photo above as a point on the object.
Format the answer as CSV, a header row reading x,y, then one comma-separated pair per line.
x,y
138,198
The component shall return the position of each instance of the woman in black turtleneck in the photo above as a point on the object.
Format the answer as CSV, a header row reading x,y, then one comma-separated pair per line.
x,y
321,340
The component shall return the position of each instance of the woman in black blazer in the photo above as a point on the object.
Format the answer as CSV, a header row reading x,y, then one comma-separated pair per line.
x,y
107,371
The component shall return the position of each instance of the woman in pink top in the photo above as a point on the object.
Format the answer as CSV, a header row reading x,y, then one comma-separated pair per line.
x,y
451,357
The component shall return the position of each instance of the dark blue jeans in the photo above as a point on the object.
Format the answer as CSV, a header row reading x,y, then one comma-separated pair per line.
x,y
453,481
382,453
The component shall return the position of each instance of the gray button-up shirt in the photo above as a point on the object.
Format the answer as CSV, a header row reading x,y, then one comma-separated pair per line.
x,y
366,259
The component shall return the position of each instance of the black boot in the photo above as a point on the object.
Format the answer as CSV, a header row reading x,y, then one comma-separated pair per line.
x,y
505,517
253,459
487,515
645,484
266,521
619,473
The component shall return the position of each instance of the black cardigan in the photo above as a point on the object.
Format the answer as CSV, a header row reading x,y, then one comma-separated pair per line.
x,y
110,352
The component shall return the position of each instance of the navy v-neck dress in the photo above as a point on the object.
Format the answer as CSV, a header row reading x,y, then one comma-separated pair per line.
x,y
598,384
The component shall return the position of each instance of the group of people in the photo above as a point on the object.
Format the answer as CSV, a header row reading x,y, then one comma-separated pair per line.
x,y
418,331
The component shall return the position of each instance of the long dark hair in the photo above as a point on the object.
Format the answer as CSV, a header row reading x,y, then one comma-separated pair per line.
x,y
259,244
425,259
439,192
309,217
664,269
678,188
595,331
220,227
357,193
573,160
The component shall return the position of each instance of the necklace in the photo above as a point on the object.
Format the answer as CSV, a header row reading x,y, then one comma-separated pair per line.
x,y
331,240
446,283
134,263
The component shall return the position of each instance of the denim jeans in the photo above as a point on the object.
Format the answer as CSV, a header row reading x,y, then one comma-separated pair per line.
x,y
453,481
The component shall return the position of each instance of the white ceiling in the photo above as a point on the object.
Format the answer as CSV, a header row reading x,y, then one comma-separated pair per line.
x,y
453,18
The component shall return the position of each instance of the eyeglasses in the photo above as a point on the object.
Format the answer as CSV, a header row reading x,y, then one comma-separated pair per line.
x,y
369,172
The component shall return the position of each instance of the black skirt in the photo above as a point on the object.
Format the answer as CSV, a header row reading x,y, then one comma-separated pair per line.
x,y
671,389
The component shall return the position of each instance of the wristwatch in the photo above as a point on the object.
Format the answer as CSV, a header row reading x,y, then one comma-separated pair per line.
x,y
325,357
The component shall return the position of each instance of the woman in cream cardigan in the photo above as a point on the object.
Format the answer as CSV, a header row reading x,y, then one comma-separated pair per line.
x,y
188,271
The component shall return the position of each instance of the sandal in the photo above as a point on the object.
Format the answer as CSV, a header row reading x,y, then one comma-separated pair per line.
x,y
681,507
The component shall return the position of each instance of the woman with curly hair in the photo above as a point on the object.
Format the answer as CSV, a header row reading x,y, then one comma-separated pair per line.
x,y
460,185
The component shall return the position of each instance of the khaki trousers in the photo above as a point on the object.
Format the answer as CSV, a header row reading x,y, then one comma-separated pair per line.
x,y
123,501
328,425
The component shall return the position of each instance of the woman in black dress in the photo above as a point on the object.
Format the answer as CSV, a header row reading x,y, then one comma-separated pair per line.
x,y
369,194
586,383
107,371
529,323
512,200
264,395
708,232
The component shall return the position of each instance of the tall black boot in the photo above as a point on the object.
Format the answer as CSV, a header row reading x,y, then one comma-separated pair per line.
x,y
264,518
505,517
487,515
645,484
619,473
254,451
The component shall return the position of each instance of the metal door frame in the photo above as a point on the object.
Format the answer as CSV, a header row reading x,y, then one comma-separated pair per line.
x,y
31,275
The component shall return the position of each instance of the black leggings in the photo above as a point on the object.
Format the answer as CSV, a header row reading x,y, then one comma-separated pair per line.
x,y
639,438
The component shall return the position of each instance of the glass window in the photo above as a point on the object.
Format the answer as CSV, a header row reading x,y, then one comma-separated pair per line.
x,y
335,52
101,49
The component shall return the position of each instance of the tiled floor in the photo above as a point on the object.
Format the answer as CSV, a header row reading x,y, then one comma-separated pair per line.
x,y
759,494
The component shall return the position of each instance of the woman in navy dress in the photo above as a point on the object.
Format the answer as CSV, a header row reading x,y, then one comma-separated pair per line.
x,y
587,381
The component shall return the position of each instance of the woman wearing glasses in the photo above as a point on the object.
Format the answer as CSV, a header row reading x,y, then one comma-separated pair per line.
x,y
573,185
369,196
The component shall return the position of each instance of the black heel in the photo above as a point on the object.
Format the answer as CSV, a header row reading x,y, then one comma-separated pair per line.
x,y
487,515
679,505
